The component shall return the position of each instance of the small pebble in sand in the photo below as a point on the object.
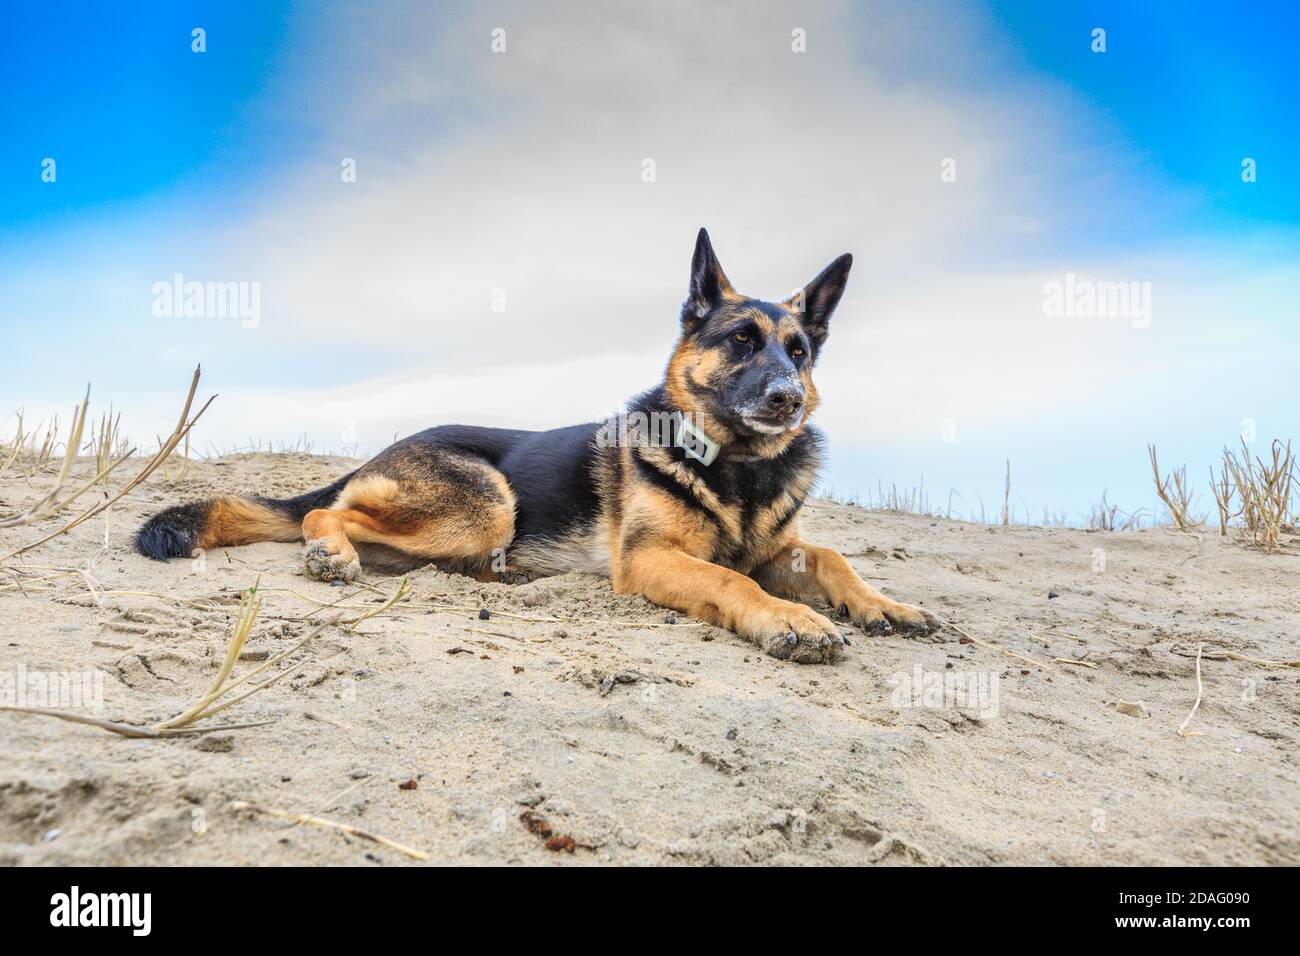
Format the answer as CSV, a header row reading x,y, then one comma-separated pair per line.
x,y
1131,708
359,774
483,614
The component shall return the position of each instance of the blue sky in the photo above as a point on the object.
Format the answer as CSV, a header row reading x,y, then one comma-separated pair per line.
x,y
1189,85
479,171
130,112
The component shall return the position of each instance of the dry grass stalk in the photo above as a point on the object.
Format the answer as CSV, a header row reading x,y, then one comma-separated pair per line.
x,y
17,584
49,504
1006,498
308,715
1182,728
249,605
332,825
1265,492
182,429
1234,656
1175,492
913,501
38,448
129,730
332,802
996,647
42,454
1225,655
107,444
19,440
397,596
207,705
1109,517
185,462
1222,490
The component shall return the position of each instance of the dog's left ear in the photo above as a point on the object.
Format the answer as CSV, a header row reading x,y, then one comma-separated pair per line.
x,y
817,300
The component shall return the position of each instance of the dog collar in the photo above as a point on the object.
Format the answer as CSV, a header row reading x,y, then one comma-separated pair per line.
x,y
690,438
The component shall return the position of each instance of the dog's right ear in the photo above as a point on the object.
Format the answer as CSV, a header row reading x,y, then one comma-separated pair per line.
x,y
709,284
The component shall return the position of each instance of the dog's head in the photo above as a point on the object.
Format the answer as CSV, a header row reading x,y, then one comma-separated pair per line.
x,y
743,367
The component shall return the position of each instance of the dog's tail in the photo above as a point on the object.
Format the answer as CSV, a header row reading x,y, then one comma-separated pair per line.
x,y
176,532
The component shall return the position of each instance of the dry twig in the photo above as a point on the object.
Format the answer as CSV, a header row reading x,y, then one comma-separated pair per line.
x,y
397,595
1182,728
332,825
996,647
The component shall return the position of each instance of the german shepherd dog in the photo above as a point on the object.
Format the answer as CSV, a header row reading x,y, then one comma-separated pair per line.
x,y
692,501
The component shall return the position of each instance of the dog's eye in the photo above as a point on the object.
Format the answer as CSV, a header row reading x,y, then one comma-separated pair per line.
x,y
741,337
797,352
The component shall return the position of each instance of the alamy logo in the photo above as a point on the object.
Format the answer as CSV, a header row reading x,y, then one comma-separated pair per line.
x,y
66,690
1077,298
657,430
179,299
103,909
977,691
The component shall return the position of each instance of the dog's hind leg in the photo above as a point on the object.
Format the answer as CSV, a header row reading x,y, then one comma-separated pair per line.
x,y
330,554
422,503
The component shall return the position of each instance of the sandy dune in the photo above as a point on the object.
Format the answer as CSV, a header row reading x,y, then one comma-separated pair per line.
x,y
650,743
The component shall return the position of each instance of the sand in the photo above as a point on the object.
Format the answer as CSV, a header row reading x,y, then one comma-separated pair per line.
x,y
483,741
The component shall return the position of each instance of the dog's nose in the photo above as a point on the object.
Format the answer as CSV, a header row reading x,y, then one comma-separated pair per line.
x,y
784,399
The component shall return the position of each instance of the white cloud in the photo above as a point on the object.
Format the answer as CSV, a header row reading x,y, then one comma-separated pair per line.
x,y
529,180
522,172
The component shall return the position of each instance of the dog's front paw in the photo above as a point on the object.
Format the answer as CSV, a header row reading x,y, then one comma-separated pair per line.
x,y
326,562
794,632
877,616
